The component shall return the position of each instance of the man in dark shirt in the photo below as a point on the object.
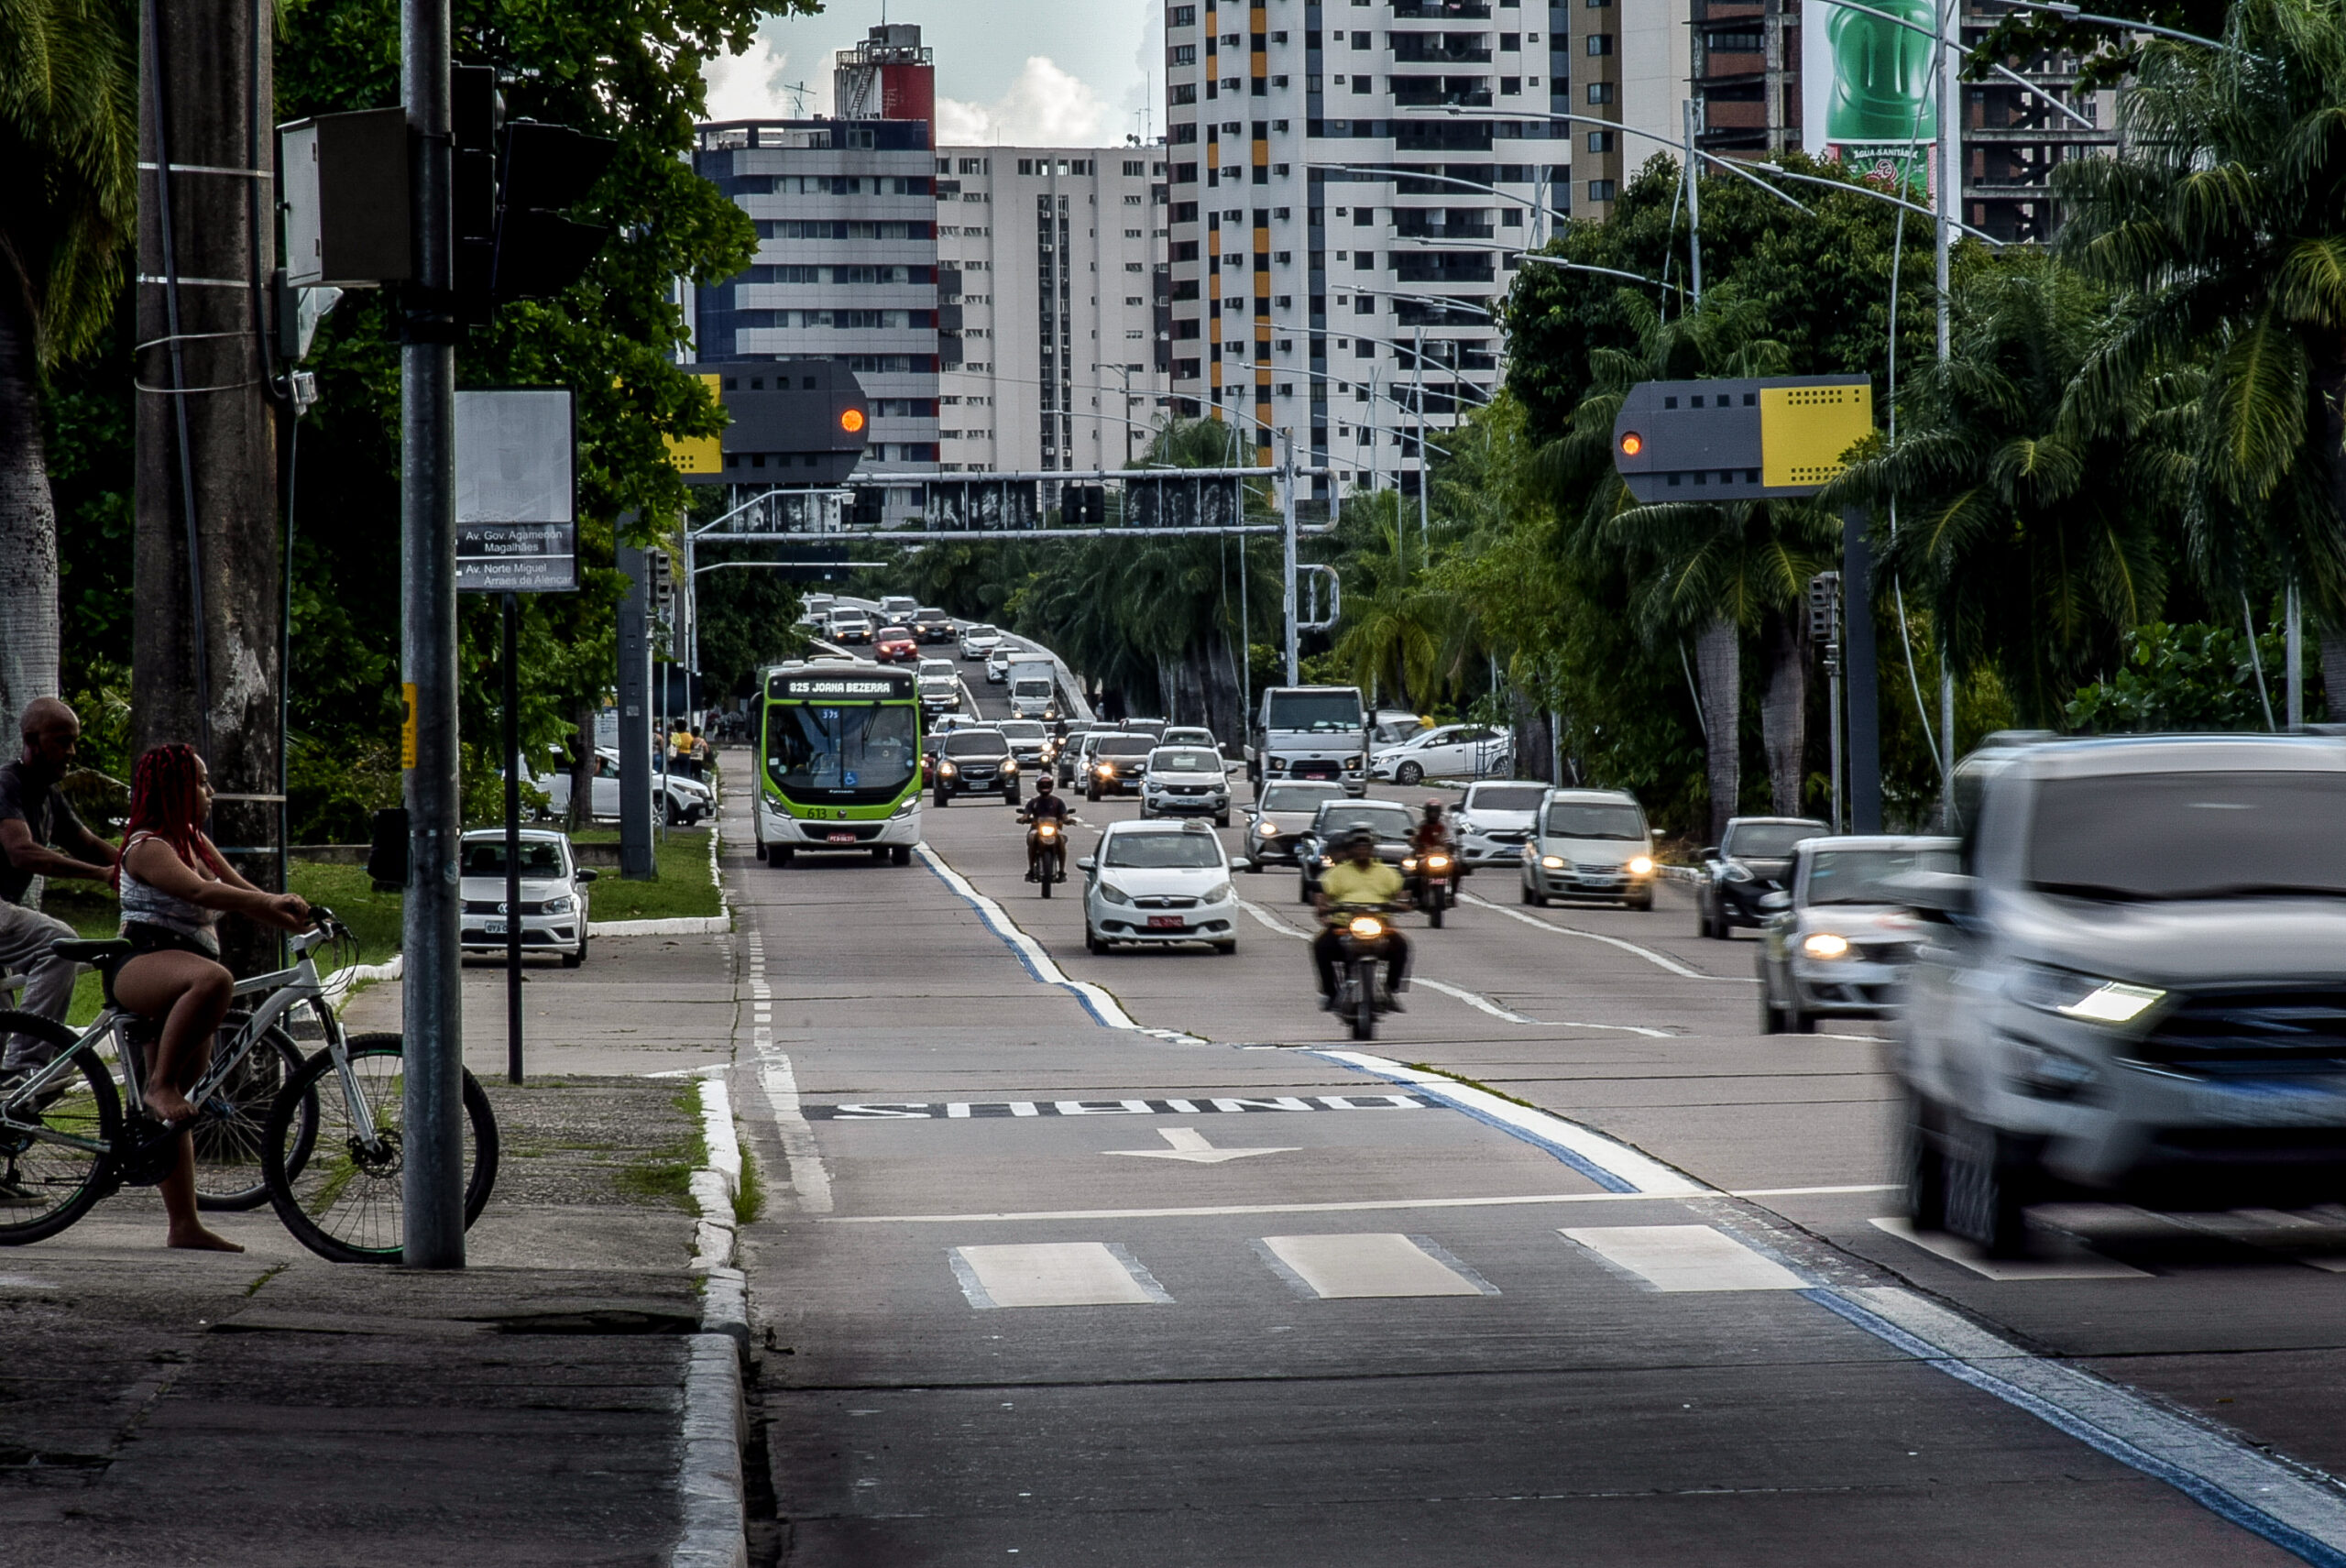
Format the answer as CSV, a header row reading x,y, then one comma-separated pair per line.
x,y
42,836
1043,806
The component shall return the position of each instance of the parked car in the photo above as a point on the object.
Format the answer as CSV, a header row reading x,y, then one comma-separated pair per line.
x,y
687,800
938,684
2134,988
975,762
1392,726
1186,780
931,624
1836,941
1154,882
896,645
1028,738
554,894
1117,762
978,640
1336,820
1446,751
1496,820
1590,844
1752,859
998,665
1280,817
849,624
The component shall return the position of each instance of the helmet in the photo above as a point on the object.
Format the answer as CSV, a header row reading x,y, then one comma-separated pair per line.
x,y
1433,810
1361,839
1042,785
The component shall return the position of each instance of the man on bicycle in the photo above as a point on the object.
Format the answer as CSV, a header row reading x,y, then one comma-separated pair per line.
x,y
1044,804
42,836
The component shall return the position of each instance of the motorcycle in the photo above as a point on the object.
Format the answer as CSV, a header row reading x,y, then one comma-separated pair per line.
x,y
1360,934
1047,839
1434,882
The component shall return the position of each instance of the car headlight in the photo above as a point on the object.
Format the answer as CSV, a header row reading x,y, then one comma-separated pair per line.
x,y
1824,944
1409,863
947,769
557,906
1106,770
1553,863
1011,766
1115,894
2083,997
1639,865
1267,830
1734,872
1220,893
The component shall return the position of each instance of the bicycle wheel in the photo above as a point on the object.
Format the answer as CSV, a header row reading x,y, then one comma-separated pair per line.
x,y
236,1119
47,1184
345,1200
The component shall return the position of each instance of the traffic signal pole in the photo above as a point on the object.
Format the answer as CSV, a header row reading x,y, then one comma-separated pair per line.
x,y
433,1174
1860,675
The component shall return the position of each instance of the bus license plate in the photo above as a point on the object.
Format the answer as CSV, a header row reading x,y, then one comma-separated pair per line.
x,y
840,838
1166,921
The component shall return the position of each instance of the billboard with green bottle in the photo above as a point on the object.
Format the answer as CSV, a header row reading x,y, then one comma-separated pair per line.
x,y
1867,91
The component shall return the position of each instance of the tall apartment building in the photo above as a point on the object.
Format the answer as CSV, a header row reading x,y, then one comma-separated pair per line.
x,y
1325,211
1053,305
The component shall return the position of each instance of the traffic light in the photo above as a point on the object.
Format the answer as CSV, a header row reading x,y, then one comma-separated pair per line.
x,y
510,184
1083,506
793,423
1823,607
1755,438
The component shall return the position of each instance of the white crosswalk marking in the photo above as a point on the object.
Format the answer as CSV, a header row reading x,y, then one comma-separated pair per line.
x,y
1054,1273
1379,1264
1686,1258
2073,1263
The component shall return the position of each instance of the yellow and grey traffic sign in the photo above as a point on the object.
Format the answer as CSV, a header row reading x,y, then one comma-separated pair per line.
x,y
1757,438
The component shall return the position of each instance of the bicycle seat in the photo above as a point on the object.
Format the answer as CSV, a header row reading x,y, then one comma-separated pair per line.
x,y
113,950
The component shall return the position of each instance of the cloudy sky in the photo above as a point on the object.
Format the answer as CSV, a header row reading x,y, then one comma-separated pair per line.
x,y
1016,72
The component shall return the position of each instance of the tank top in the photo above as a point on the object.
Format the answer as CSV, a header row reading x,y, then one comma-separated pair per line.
x,y
143,903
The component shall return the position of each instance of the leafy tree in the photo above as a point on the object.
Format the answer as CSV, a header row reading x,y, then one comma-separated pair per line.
x,y
2189,677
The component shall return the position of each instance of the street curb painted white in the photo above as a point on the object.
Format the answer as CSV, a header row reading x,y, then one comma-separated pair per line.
x,y
715,925
342,984
709,1496
715,1184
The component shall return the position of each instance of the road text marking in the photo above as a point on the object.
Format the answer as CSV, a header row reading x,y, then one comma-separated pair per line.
x,y
1190,1145
1178,1106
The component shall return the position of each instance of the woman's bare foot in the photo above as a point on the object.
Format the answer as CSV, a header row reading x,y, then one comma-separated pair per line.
x,y
198,1239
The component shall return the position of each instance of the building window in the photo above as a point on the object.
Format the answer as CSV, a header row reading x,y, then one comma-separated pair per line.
x,y
1600,190
1600,91
1600,43
1363,84
1600,141
1509,85
1183,93
1510,43
1181,17
1182,54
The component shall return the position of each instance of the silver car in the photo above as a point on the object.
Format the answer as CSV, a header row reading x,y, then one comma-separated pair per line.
x,y
2134,989
554,894
1836,942
1282,814
1496,820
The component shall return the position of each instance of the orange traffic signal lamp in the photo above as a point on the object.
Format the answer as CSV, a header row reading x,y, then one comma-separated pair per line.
x,y
1754,438
851,421
1632,444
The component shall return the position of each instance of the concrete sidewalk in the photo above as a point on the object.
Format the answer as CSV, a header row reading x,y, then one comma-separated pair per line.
x,y
271,1409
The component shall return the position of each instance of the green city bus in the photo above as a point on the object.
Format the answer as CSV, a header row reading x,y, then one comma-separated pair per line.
x,y
839,761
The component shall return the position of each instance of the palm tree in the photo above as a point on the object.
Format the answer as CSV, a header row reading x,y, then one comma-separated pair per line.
x,y
2226,218
68,135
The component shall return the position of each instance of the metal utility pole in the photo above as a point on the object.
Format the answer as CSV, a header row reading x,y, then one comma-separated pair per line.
x,y
635,712
512,668
1858,658
433,983
206,665
2293,624
1694,207
1417,390
1286,582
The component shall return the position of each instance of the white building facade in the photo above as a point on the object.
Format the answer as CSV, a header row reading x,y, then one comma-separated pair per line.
x,y
1052,293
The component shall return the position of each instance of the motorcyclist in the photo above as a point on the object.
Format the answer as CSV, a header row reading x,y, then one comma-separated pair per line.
x,y
1043,803
1360,878
1430,837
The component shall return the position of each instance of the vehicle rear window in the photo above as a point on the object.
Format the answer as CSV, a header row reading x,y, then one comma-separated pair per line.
x,y
1171,760
1125,746
1298,797
1505,797
1022,729
2195,835
1862,876
1385,821
895,631
976,744
1772,840
1595,819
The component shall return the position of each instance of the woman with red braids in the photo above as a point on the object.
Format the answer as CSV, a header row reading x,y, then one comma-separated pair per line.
x,y
174,889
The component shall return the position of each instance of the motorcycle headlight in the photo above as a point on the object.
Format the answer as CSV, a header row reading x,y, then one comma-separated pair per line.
x,y
1267,830
1115,894
1824,944
1437,862
1553,863
1639,865
1410,863
1367,927
2083,997
1044,831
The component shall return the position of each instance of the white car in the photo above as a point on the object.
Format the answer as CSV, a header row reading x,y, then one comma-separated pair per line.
x,y
939,685
1190,734
980,640
1186,780
1446,751
898,610
848,624
1158,883
998,666
1495,820
688,800
554,894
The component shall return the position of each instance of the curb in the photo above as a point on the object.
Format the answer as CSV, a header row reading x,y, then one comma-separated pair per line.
x,y
342,984
716,924
709,1490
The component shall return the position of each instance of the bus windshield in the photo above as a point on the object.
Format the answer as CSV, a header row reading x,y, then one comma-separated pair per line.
x,y
1315,711
867,748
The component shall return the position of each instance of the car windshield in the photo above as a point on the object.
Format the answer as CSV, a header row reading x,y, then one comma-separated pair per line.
x,y
862,747
1771,841
929,612
1861,876
1298,797
980,632
1505,797
539,858
1021,729
2192,835
1168,760
1385,821
930,669
1316,711
976,744
1164,851
1595,819
1190,737
1125,746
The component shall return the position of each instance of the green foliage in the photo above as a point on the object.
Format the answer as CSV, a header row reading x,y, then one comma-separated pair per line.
x,y
68,192
2189,677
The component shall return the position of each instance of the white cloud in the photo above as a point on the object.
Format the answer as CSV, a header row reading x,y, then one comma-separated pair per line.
x,y
1045,108
749,86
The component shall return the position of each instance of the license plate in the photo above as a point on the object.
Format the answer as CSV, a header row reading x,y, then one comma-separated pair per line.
x,y
840,838
1166,923
1315,773
494,927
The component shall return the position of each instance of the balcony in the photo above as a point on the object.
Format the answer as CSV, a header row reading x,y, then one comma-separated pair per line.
x,y
1410,224
1459,92
1441,49
1442,10
1442,266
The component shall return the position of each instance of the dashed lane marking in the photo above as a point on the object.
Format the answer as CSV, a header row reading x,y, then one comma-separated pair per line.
x,y
1686,1258
1375,1265
808,1179
1054,1273
1661,961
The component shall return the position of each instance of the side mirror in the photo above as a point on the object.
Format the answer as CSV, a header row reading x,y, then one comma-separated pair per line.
x,y
1087,863
1776,903
585,873
1936,895
1707,852
1238,862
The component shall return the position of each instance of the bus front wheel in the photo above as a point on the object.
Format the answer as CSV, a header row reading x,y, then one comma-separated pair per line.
x,y
778,855
900,854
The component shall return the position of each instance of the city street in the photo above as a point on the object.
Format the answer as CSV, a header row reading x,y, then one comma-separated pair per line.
x,y
1135,1259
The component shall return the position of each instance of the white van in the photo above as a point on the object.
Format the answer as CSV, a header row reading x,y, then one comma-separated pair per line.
x,y
1592,844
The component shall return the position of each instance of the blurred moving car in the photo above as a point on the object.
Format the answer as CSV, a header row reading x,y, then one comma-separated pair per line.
x,y
1496,820
1752,859
1590,844
2134,988
975,762
1153,883
1336,820
1446,751
896,645
1115,763
978,640
1836,941
1280,817
553,912
1186,780
931,624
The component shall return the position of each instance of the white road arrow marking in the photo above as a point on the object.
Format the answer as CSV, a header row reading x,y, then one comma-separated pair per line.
x,y
1188,1144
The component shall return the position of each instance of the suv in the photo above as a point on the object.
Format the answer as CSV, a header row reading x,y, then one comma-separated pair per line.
x,y
940,686
1837,943
849,624
975,762
1590,844
1754,858
1495,820
1115,763
1182,781
1027,740
2135,986
933,625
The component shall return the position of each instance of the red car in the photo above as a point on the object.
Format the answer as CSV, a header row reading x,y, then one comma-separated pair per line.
x,y
896,645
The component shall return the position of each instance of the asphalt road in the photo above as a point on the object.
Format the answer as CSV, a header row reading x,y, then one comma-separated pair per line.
x,y
1131,1259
